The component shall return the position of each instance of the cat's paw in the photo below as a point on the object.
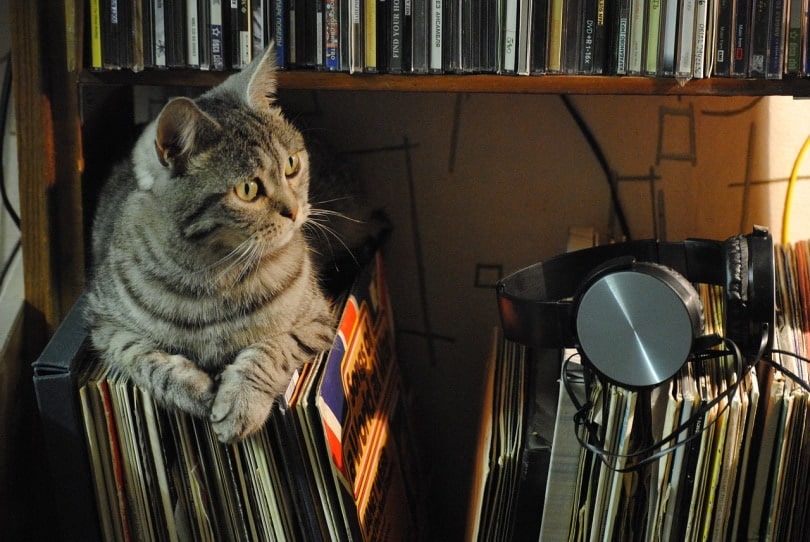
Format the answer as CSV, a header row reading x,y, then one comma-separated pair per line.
x,y
175,382
239,409
192,390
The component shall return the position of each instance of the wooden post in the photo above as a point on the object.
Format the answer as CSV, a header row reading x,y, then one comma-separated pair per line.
x,y
50,164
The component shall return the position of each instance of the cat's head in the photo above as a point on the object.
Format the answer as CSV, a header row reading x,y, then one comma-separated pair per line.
x,y
228,167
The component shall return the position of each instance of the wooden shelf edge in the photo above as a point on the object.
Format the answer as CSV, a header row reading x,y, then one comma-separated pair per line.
x,y
478,83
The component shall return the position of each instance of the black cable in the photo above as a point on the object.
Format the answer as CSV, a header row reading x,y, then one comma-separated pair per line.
x,y
9,261
693,426
5,98
655,451
791,375
600,157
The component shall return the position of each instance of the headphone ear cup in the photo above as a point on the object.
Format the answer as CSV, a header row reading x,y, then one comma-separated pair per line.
x,y
636,326
737,315
687,291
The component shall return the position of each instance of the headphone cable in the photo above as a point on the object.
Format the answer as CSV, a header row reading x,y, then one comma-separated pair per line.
x,y
694,425
801,382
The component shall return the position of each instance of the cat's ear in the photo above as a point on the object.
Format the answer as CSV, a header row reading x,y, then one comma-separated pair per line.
x,y
254,85
261,88
178,127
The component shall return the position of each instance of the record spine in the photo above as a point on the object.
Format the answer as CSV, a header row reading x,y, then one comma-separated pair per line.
x,y
148,32
369,29
239,32
436,35
204,33
539,37
601,39
524,37
317,39
725,38
573,27
794,38
621,36
451,46
760,27
383,37
510,44
420,35
586,57
280,32
668,45
159,24
175,28
96,61
651,56
331,35
396,36
699,54
635,49
109,34
192,35
555,36
777,36
356,36
136,33
686,42
344,8
742,38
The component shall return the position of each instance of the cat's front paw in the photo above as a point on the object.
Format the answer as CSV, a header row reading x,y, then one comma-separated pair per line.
x,y
176,382
239,409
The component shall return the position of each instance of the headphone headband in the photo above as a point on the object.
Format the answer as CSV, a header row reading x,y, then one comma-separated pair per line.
x,y
536,303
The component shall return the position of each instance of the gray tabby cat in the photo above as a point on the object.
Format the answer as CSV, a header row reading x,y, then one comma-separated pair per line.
x,y
204,291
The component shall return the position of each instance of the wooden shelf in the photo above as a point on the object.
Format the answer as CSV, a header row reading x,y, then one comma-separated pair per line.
x,y
484,83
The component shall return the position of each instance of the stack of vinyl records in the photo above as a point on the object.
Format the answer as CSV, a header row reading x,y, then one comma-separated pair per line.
x,y
719,452
735,471
336,460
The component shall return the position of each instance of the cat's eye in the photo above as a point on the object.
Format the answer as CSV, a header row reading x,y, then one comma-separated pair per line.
x,y
292,165
247,190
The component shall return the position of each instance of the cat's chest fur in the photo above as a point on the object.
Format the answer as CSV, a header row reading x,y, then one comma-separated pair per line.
x,y
206,310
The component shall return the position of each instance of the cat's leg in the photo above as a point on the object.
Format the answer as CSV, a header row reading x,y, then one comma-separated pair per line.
x,y
248,387
173,381
260,373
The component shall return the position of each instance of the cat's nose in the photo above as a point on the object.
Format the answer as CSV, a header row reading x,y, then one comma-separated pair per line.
x,y
289,212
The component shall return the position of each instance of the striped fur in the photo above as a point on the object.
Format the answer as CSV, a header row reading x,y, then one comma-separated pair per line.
x,y
208,301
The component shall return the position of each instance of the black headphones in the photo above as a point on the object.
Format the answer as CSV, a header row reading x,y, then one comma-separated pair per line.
x,y
630,308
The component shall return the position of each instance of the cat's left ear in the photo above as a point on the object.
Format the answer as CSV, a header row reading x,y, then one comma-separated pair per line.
x,y
261,88
180,126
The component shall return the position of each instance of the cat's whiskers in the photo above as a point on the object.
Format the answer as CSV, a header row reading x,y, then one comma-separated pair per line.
x,y
330,213
242,258
333,200
321,228
235,254
313,227
246,261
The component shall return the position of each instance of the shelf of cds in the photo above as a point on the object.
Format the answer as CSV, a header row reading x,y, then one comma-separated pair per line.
x,y
755,47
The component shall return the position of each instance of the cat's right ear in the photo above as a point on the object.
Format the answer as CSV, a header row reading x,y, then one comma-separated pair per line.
x,y
261,88
178,127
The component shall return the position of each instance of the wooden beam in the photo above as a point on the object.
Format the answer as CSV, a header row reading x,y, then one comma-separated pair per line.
x,y
49,167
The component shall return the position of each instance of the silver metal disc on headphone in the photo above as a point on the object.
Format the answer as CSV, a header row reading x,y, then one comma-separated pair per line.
x,y
634,329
